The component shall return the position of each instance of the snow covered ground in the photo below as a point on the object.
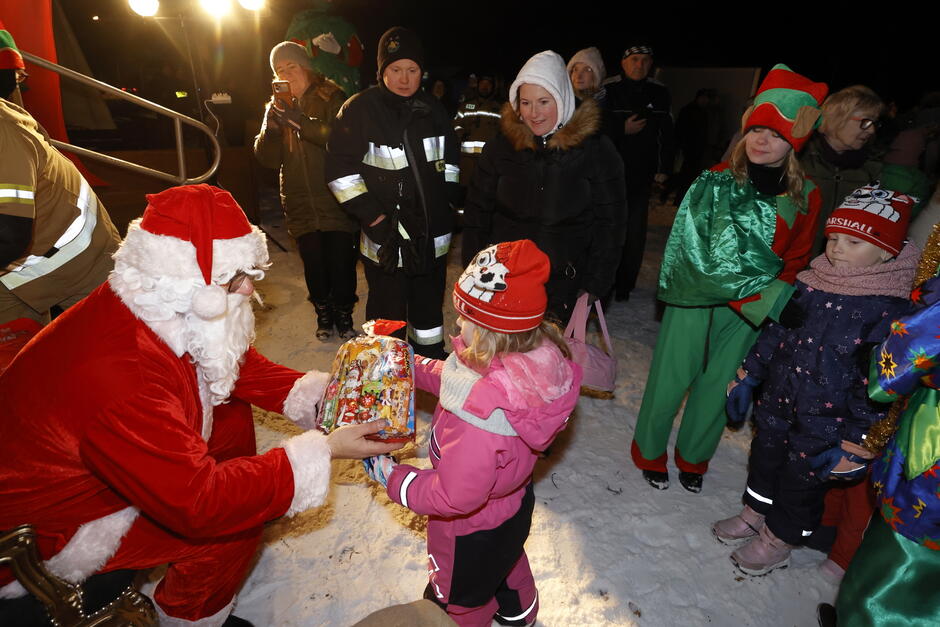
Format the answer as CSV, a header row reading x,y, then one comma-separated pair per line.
x,y
606,548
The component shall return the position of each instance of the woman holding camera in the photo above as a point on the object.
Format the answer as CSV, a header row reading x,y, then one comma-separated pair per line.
x,y
293,138
550,177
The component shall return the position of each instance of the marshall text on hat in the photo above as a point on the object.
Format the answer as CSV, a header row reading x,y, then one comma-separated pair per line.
x,y
876,215
503,288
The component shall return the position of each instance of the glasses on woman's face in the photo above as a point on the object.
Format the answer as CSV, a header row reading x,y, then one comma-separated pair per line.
x,y
237,282
867,123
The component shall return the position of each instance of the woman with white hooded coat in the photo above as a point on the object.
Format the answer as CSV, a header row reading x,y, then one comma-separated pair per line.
x,y
549,176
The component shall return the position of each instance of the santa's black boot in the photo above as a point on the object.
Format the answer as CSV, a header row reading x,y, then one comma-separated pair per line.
x,y
325,318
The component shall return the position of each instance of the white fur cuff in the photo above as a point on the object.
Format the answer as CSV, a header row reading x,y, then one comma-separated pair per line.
x,y
304,398
309,456
86,552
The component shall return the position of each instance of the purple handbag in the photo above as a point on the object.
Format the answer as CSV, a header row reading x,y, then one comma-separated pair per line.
x,y
599,366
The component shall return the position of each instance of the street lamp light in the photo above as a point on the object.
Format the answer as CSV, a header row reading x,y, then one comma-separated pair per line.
x,y
216,8
146,8
252,5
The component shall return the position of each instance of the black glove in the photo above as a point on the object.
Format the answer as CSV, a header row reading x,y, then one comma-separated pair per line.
x,y
386,235
740,403
289,117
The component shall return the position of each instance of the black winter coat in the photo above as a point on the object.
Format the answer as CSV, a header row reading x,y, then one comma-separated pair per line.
x,y
566,194
652,150
398,157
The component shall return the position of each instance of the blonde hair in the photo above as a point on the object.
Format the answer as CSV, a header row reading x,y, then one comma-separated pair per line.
x,y
486,344
839,107
792,170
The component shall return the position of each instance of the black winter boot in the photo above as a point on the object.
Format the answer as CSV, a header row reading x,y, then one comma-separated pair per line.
x,y
324,320
344,322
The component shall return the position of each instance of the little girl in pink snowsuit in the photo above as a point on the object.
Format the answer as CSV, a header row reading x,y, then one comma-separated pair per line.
x,y
505,393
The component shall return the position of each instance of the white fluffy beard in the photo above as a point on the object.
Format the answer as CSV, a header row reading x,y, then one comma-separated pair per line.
x,y
218,346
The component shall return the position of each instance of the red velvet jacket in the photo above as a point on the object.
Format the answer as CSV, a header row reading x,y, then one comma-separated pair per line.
x,y
99,415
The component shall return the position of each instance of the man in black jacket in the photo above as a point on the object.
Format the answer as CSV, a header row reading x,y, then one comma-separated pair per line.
x,y
643,132
392,164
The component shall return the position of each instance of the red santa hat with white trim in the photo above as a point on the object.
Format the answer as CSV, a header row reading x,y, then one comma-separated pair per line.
x,y
503,288
198,235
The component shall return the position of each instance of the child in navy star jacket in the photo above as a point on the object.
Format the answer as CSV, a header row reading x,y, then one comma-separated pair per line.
x,y
808,376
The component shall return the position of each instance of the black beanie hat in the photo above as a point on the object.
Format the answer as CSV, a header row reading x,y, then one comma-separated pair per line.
x,y
398,43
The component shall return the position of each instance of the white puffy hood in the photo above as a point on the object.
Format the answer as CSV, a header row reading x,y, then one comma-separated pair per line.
x,y
547,70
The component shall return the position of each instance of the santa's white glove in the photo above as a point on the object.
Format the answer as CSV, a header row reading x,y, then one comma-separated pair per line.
x,y
379,467
303,402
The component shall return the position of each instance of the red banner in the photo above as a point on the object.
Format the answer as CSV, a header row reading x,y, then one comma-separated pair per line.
x,y
30,23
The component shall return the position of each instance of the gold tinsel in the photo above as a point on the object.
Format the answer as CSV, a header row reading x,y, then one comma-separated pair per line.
x,y
881,431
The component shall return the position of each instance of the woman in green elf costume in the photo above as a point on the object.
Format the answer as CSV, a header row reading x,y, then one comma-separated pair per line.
x,y
743,231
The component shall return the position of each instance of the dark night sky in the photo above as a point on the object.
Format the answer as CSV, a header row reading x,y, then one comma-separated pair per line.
x,y
879,44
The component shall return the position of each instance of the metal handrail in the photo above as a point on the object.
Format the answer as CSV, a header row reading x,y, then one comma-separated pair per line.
x,y
178,120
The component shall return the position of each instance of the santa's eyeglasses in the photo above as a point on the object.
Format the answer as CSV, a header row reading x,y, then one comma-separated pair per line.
x,y
867,123
237,281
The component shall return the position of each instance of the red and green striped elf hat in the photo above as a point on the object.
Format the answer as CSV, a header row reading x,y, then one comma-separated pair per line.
x,y
787,103
10,57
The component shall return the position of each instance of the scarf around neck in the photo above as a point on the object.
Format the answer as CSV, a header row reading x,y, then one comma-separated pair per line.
x,y
891,278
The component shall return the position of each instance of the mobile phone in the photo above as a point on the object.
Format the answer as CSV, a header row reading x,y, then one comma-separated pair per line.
x,y
281,91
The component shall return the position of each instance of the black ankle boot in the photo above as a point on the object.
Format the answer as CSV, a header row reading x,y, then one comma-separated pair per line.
x,y
344,322
691,481
659,480
324,320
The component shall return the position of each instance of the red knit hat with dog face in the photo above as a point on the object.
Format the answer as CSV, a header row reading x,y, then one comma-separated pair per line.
x,y
876,215
503,288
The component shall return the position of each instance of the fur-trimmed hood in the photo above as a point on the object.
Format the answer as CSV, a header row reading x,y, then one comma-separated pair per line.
x,y
584,123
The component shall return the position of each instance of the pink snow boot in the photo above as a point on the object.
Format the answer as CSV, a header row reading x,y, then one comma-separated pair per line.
x,y
739,528
763,554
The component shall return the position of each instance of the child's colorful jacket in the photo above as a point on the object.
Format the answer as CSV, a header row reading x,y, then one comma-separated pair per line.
x,y
907,476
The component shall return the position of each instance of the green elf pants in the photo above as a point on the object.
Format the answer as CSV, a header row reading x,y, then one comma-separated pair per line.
x,y
698,349
892,581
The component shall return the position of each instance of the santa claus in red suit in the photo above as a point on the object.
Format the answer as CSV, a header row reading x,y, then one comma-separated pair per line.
x,y
126,437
